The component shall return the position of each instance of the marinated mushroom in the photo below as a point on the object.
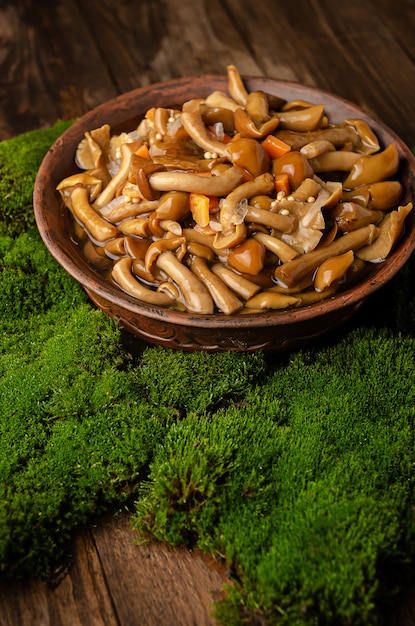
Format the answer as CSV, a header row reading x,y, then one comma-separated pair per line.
x,y
373,168
295,165
127,150
390,230
247,127
162,245
193,124
121,273
366,141
93,152
249,155
381,196
77,199
240,285
271,300
224,298
335,161
302,120
196,296
248,257
332,270
236,85
233,208
173,205
219,185
219,99
351,215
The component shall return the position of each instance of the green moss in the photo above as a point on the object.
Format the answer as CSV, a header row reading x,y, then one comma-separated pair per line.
x,y
76,433
297,470
198,381
20,158
32,281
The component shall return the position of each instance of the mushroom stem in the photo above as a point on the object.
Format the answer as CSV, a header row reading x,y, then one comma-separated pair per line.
x,y
194,126
240,285
99,228
121,274
219,185
281,249
236,86
282,223
120,177
196,297
225,300
230,215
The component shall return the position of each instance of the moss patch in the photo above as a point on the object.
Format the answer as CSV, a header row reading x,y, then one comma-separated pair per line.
x,y
298,470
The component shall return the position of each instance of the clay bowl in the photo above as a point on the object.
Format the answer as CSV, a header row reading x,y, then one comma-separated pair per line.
x,y
271,331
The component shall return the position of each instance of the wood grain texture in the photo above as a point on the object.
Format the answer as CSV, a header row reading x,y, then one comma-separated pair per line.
x,y
60,59
110,580
77,594
164,585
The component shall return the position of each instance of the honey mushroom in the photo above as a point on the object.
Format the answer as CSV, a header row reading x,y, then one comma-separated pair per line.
x,y
381,196
302,120
332,270
194,125
109,191
197,298
224,298
250,128
121,274
77,193
271,300
236,86
233,208
389,231
219,185
240,285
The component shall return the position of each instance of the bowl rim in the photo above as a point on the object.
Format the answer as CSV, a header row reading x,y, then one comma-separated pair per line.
x,y
92,281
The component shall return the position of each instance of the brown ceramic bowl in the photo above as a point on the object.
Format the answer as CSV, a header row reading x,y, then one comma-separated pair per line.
x,y
272,331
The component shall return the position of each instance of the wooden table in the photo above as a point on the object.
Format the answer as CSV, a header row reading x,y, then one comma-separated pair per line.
x,y
59,60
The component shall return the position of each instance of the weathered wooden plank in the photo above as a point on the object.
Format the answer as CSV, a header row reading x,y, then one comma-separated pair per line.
x,y
399,17
165,39
153,584
59,62
49,66
77,597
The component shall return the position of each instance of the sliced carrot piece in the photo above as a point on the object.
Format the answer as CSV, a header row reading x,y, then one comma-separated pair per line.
x,y
150,114
275,147
282,183
213,203
143,152
199,207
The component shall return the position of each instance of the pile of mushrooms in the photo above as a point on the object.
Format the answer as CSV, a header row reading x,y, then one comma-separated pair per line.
x,y
237,202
